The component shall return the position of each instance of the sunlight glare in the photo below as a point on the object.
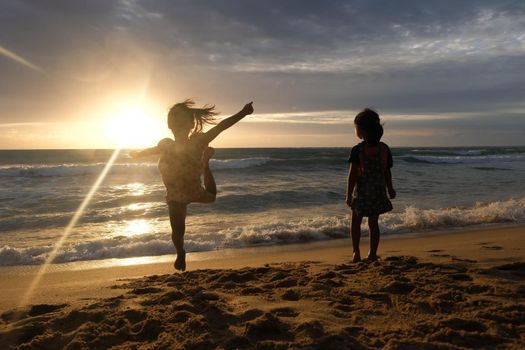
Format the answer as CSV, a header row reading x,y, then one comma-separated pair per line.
x,y
133,189
133,127
139,206
141,260
137,227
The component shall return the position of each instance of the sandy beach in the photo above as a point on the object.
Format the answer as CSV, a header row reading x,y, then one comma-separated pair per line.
x,y
442,290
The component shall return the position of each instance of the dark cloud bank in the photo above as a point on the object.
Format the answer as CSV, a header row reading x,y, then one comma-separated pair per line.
x,y
402,57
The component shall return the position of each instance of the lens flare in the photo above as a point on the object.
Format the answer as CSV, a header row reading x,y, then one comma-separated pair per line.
x,y
18,59
67,230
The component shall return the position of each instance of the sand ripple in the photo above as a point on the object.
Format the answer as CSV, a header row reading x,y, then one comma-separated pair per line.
x,y
397,303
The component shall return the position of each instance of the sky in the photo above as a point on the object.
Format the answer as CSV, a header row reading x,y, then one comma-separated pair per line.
x,y
102,74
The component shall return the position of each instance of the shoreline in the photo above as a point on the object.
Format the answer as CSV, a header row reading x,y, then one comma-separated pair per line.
x,y
486,246
452,290
198,256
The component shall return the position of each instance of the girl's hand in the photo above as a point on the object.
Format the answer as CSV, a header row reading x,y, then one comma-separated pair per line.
x,y
348,200
392,193
247,109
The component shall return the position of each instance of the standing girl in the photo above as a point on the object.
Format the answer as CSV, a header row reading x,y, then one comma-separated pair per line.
x,y
184,160
368,179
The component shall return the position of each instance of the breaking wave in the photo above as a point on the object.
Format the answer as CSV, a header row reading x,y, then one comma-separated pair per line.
x,y
66,170
411,219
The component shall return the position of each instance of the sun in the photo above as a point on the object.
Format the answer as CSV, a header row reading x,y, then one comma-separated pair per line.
x,y
133,127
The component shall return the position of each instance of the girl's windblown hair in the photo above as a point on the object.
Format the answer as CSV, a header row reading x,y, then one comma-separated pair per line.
x,y
201,116
370,125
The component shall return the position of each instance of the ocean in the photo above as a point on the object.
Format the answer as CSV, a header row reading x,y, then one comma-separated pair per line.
x,y
266,196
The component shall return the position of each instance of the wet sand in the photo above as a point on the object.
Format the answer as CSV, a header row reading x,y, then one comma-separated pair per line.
x,y
446,290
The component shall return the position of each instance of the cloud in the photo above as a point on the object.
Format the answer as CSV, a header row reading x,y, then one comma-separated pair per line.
x,y
403,57
11,125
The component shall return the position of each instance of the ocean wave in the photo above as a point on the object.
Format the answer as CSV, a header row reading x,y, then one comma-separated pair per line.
x,y
65,170
414,159
490,168
411,219
414,219
94,250
151,245
464,159
453,152
237,163
314,229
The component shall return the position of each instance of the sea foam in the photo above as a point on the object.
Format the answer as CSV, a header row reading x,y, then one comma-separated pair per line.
x,y
411,219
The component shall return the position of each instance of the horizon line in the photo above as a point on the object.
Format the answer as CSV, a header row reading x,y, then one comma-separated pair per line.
x,y
255,147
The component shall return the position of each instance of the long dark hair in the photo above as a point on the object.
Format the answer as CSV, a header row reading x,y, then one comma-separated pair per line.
x,y
370,126
201,116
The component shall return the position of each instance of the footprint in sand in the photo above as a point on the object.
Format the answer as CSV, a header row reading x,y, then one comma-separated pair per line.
x,y
454,258
517,269
441,255
284,312
492,247
35,310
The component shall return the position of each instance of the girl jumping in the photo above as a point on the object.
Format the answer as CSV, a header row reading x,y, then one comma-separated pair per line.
x,y
184,160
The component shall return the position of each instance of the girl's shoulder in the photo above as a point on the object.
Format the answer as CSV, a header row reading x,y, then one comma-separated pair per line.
x,y
384,145
354,153
197,137
165,143
198,140
357,147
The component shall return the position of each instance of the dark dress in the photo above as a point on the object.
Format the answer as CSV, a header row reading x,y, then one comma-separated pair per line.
x,y
369,197
181,168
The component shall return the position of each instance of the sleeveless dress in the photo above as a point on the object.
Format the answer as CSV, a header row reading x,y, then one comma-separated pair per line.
x,y
369,197
181,168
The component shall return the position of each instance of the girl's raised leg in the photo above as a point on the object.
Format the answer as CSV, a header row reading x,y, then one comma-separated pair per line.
x,y
178,227
355,232
373,225
209,180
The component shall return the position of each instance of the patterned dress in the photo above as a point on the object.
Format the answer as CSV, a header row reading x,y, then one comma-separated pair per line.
x,y
369,197
181,168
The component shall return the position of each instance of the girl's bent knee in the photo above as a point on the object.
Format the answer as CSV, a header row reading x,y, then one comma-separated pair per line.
x,y
210,197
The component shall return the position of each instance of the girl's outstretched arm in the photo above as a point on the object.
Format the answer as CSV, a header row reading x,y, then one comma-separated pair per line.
x,y
228,122
162,145
145,152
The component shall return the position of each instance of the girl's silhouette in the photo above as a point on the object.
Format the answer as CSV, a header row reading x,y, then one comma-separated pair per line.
x,y
368,179
185,159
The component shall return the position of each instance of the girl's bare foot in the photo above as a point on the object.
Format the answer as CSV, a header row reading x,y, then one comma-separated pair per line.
x,y
180,262
356,257
372,257
207,154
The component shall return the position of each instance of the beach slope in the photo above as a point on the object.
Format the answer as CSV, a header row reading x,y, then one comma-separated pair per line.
x,y
438,291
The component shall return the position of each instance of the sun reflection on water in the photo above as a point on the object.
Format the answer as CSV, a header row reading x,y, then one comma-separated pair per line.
x,y
134,227
138,206
134,189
